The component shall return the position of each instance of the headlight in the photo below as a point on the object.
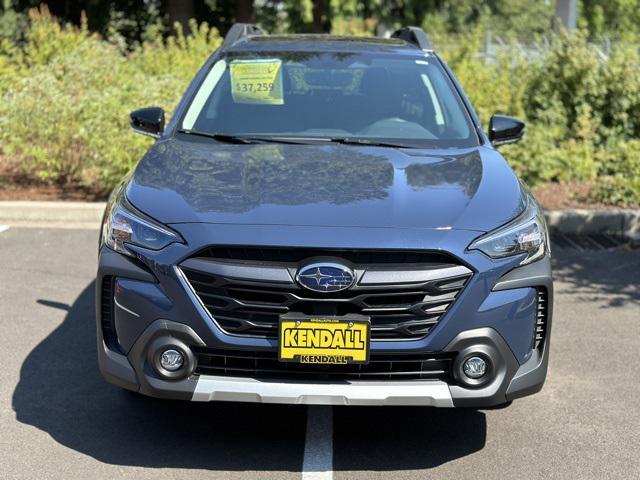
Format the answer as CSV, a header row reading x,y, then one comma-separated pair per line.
x,y
526,234
123,225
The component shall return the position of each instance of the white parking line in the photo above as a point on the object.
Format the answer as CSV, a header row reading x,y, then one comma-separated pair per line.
x,y
4,228
318,444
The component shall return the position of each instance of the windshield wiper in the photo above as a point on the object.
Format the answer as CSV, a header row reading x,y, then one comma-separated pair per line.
x,y
369,143
221,137
247,139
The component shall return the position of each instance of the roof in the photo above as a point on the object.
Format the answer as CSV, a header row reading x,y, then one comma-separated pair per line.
x,y
317,42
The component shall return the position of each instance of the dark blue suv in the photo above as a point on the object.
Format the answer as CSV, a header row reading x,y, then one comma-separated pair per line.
x,y
323,221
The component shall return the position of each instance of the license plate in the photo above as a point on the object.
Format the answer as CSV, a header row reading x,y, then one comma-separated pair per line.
x,y
325,340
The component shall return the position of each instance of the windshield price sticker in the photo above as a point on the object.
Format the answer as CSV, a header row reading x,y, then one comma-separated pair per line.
x,y
257,81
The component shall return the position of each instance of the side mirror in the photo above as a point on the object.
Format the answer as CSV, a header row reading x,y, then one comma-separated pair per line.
x,y
504,130
148,121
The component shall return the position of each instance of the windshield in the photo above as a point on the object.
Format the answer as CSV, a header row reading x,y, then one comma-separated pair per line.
x,y
352,96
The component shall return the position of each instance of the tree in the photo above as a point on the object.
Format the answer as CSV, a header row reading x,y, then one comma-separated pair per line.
x,y
611,18
244,11
180,11
321,17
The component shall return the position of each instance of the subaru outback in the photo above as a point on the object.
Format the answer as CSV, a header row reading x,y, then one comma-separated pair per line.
x,y
323,220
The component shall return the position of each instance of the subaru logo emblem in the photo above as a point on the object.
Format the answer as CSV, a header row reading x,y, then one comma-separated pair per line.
x,y
325,277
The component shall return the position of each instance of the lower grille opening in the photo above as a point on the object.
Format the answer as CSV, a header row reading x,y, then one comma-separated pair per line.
x,y
265,364
541,317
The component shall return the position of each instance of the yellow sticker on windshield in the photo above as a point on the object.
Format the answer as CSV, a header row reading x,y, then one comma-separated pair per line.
x,y
257,81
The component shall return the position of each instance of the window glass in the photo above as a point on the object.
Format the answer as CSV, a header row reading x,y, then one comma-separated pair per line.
x,y
325,94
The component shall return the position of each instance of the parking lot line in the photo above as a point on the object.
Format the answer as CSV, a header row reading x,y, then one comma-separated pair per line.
x,y
4,228
318,444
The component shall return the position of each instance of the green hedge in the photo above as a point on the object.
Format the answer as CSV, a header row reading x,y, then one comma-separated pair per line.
x,y
66,95
582,111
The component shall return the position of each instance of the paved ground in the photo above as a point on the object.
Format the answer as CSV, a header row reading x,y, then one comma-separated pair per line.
x,y
59,420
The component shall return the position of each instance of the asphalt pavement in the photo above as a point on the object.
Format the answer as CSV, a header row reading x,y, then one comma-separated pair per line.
x,y
60,420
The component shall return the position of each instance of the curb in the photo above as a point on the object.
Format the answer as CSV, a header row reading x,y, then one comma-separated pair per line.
x,y
52,214
623,223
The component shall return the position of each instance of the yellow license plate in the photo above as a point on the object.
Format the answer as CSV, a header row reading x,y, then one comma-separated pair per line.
x,y
324,340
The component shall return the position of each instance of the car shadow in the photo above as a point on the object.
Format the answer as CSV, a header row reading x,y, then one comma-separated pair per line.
x,y
404,438
61,392
611,278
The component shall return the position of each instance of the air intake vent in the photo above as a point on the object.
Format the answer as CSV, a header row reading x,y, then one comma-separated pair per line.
x,y
106,312
541,318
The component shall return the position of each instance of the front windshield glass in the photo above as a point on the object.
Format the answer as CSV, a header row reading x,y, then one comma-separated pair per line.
x,y
325,95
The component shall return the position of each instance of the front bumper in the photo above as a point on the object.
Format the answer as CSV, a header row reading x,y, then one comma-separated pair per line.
x,y
510,380
495,316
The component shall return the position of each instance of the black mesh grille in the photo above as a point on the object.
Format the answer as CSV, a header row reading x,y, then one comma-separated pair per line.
x,y
397,311
541,317
265,364
294,255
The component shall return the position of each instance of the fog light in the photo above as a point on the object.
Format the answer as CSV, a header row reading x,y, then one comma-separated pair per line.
x,y
474,367
171,360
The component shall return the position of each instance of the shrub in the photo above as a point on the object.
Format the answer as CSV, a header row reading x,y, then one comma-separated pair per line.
x,y
619,182
178,56
582,110
66,98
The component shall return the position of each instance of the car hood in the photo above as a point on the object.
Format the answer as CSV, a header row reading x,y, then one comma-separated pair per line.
x,y
199,180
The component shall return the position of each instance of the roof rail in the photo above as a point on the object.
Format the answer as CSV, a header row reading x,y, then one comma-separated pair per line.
x,y
239,31
414,35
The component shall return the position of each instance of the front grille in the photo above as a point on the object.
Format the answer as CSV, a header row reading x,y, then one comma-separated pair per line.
x,y
265,364
246,296
541,317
